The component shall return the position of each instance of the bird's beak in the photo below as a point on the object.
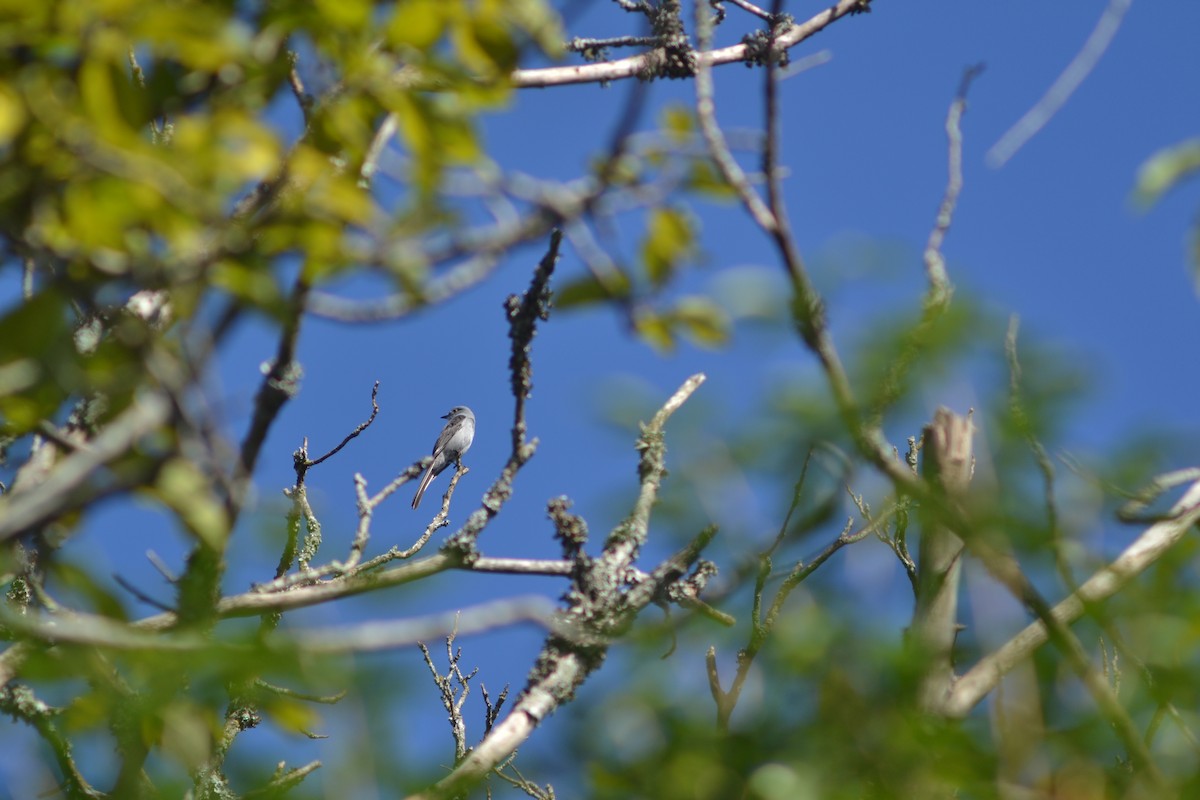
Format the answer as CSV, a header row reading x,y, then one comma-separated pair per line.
x,y
445,416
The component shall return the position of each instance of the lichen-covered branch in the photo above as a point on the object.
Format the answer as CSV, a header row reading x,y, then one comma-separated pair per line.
x,y
600,606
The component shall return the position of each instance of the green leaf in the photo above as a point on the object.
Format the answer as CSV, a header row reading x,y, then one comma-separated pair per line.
x,y
678,122
704,178
39,366
537,21
350,15
752,292
701,320
12,114
654,329
188,492
669,241
252,283
588,290
418,23
292,715
1165,169
485,45
187,732
435,136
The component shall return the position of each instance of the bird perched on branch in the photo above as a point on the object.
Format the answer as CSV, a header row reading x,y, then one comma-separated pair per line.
x,y
454,440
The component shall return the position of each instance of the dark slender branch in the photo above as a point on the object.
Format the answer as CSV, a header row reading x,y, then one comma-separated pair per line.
x,y
523,315
280,383
140,595
362,426
761,626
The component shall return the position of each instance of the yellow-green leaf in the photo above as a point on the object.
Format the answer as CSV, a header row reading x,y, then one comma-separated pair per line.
x,y
187,733
254,284
654,330
670,239
417,23
1165,169
537,20
188,492
292,715
704,178
677,122
702,321
589,290
345,14
12,114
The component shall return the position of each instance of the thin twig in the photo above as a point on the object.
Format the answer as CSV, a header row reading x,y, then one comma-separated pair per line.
x,y
362,426
935,264
1063,87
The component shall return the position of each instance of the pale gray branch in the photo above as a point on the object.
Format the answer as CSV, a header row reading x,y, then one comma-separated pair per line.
x,y
388,635
1063,87
19,511
638,65
1145,550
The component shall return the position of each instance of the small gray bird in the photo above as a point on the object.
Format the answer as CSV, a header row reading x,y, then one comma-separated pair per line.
x,y
454,440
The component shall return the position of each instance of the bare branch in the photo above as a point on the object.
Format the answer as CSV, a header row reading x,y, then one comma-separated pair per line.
x,y
935,265
64,488
523,315
635,66
362,426
949,462
600,609
715,137
1063,87
1005,569
1145,550
391,634
94,630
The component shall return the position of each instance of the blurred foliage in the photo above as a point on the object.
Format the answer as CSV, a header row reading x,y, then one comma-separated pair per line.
x,y
829,707
1161,173
828,713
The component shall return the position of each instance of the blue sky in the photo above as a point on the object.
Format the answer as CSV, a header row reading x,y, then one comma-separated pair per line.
x,y
1051,236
